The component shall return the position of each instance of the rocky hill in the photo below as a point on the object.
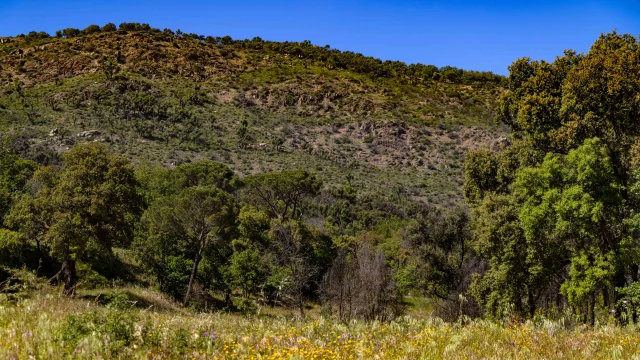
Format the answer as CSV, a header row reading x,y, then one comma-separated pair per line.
x,y
165,97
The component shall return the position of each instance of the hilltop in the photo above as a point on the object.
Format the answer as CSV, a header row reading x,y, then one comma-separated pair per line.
x,y
167,98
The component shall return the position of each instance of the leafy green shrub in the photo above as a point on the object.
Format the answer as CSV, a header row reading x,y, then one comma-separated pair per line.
x,y
119,325
247,306
177,276
12,246
16,252
118,300
180,340
89,278
76,328
115,328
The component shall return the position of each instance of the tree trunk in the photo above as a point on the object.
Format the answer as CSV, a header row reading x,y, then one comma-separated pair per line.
x,y
194,270
301,305
592,309
531,303
340,313
619,281
68,272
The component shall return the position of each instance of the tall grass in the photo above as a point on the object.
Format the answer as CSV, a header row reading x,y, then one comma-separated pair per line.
x,y
49,326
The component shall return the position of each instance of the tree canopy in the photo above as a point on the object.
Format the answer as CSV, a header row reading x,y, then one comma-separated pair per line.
x,y
93,198
552,213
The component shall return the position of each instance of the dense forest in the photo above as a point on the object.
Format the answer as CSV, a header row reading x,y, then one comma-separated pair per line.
x,y
546,222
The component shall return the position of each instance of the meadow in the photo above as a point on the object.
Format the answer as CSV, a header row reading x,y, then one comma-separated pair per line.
x,y
137,323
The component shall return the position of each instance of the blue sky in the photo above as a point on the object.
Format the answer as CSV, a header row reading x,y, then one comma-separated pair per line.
x,y
475,35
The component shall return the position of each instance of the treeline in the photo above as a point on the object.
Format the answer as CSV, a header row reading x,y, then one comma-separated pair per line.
x,y
332,58
278,238
556,215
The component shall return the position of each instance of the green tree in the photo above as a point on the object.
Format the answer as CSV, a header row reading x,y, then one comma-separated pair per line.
x,y
70,32
499,240
158,182
294,266
110,27
91,29
93,198
575,208
576,201
14,174
281,194
187,224
109,68
206,173
243,134
247,270
440,245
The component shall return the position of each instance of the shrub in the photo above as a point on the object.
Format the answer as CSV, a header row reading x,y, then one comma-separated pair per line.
x,y
177,276
247,306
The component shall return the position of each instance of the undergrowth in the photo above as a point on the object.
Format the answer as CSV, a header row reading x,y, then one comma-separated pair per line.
x,y
48,325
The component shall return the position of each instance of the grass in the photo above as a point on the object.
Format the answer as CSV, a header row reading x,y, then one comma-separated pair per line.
x,y
47,325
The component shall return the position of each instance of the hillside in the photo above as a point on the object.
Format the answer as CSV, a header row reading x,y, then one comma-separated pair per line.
x,y
167,98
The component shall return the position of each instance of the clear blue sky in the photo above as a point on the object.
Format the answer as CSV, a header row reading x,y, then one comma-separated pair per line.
x,y
475,35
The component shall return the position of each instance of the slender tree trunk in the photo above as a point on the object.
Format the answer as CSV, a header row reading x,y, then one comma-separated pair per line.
x,y
619,282
340,312
592,309
194,270
68,272
531,302
301,305
605,297
39,248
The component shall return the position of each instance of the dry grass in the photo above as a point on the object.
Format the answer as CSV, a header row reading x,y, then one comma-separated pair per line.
x,y
53,327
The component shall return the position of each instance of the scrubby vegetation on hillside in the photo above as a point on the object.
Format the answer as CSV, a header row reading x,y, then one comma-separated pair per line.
x,y
258,106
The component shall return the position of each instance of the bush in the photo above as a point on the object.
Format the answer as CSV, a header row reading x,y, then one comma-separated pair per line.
x,y
110,27
91,29
177,276
16,252
247,306
11,248
116,327
89,278
118,300
76,328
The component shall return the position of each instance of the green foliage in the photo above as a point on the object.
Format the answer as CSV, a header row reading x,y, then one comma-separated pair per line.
x,y
103,186
15,252
564,199
590,271
440,247
576,207
14,174
182,226
118,325
206,173
282,194
555,205
174,277
499,240
246,306
247,271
